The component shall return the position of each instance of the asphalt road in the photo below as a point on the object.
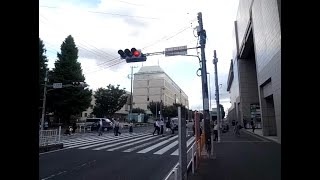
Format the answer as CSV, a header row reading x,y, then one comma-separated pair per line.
x,y
129,156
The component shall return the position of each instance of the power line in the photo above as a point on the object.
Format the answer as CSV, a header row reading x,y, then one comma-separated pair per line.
x,y
106,13
94,52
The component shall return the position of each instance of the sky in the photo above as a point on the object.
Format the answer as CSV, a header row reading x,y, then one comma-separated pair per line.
x,y
101,27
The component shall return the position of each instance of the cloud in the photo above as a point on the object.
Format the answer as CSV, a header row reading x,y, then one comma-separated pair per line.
x,y
101,28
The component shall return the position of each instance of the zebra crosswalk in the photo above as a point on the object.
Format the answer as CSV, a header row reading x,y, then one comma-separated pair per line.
x,y
126,142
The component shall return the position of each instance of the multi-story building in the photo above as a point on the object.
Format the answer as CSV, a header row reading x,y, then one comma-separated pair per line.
x,y
151,83
254,81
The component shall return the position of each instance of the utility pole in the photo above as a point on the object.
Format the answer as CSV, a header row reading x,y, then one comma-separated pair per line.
x,y
203,36
44,100
209,93
180,97
131,97
215,61
161,92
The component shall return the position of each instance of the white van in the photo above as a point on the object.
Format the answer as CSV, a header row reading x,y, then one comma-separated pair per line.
x,y
93,123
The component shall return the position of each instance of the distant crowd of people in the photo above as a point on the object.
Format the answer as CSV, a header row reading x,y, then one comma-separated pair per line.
x,y
159,127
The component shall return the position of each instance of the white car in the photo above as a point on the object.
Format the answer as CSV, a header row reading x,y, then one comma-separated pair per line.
x,y
94,122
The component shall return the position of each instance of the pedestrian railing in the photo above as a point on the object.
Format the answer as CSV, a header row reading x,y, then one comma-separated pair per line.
x,y
192,159
49,137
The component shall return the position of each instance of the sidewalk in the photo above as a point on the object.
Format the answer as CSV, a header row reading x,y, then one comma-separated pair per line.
x,y
248,157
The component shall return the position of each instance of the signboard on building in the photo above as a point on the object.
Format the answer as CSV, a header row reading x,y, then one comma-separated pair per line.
x,y
57,85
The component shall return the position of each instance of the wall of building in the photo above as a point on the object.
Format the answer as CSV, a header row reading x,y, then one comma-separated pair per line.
x,y
267,37
259,81
156,86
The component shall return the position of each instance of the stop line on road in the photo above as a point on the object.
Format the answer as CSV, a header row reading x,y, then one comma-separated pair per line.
x,y
126,142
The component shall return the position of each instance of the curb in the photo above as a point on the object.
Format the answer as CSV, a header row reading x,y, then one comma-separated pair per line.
x,y
50,147
264,137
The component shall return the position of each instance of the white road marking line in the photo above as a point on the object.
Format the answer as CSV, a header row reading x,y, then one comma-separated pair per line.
x,y
95,141
157,145
93,144
143,145
165,149
130,144
111,145
176,152
87,140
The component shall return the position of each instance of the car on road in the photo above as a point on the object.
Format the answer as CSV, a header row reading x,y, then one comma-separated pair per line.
x,y
93,124
175,122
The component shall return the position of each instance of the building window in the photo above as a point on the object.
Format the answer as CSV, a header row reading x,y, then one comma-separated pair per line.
x,y
147,98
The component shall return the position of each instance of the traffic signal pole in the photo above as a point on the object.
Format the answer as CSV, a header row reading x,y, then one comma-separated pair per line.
x,y
202,34
131,98
215,61
44,100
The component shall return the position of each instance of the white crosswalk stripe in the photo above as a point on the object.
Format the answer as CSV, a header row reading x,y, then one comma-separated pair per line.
x,y
157,145
143,142
130,144
112,141
167,148
111,145
144,145
191,140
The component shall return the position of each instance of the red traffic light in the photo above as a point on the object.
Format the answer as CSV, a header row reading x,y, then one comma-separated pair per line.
x,y
136,53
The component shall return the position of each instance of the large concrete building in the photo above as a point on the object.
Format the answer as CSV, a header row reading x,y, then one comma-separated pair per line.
x,y
151,83
254,81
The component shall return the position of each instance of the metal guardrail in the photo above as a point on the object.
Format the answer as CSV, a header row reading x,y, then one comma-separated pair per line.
x,y
193,155
49,137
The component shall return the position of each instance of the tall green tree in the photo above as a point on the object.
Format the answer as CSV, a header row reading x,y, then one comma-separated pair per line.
x,y
73,100
170,111
42,70
154,107
138,110
109,100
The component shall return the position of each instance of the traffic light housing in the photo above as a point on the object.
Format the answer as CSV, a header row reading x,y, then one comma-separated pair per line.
x,y
79,84
132,56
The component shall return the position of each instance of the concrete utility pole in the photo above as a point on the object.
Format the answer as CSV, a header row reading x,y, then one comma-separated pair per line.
x,y
215,61
131,97
182,146
161,92
203,36
44,100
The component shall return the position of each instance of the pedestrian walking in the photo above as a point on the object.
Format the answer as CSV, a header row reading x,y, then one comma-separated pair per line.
x,y
130,127
237,128
161,123
245,123
100,128
172,126
156,127
74,127
168,126
215,131
252,126
116,128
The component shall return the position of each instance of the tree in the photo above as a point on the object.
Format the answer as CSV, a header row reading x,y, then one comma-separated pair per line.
x,y
68,101
138,110
222,111
154,107
42,70
170,111
109,100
